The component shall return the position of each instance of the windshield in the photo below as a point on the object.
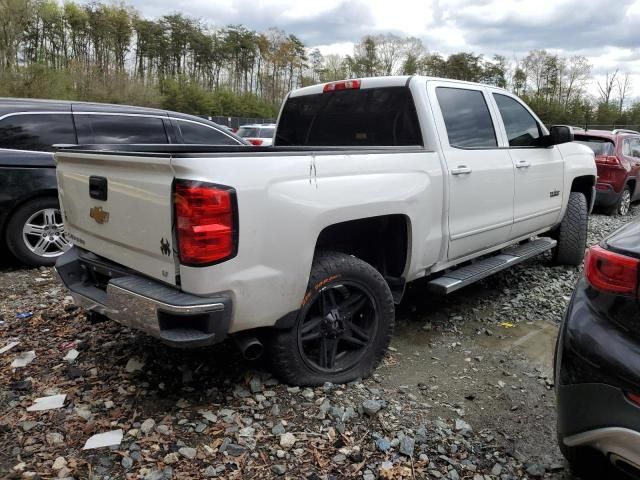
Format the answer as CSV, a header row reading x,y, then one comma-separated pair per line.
x,y
600,146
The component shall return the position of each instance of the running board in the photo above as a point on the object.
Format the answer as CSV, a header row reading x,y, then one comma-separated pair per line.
x,y
461,277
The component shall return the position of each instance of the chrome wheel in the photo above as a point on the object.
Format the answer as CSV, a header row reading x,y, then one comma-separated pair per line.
x,y
625,202
43,233
339,328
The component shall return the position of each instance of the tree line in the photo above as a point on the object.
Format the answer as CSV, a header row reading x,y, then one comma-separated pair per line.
x,y
110,53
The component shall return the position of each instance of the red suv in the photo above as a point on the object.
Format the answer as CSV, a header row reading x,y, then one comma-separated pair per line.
x,y
618,161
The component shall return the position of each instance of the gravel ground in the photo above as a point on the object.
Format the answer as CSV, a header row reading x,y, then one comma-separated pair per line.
x,y
466,392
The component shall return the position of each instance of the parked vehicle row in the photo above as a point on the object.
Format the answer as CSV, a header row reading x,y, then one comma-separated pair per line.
x,y
303,248
31,225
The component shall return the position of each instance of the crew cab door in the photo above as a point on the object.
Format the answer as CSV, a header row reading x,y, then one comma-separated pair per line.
x,y
539,170
480,174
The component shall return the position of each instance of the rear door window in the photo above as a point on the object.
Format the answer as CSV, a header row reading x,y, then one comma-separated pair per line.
x,y
362,117
197,133
522,129
631,147
117,129
467,118
36,131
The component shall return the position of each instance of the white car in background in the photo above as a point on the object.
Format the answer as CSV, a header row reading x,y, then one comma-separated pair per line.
x,y
258,134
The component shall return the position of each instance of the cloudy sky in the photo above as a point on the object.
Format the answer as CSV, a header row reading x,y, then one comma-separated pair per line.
x,y
605,31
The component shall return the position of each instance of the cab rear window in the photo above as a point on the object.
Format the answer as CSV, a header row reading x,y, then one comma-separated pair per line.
x,y
363,117
600,146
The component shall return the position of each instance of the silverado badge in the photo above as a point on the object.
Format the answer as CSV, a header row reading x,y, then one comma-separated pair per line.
x,y
99,215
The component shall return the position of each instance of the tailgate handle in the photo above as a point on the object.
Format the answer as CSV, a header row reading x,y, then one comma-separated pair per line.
x,y
98,188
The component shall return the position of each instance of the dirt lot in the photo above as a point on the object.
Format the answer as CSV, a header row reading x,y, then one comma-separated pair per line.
x,y
465,392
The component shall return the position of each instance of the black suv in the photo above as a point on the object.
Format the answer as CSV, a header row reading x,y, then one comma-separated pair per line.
x,y
598,362
30,220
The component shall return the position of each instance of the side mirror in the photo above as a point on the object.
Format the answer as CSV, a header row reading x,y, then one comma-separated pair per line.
x,y
635,153
560,134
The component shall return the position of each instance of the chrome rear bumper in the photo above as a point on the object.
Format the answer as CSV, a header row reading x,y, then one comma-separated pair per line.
x,y
177,318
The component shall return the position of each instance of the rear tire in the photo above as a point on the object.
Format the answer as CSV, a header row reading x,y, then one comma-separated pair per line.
x,y
624,202
343,328
572,232
35,233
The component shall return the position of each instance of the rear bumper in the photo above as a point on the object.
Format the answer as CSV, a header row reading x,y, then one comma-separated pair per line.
x,y
177,318
596,364
606,196
601,417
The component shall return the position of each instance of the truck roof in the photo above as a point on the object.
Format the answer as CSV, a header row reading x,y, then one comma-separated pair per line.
x,y
381,82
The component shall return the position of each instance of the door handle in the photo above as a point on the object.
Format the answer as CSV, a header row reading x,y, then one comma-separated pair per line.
x,y
460,170
523,164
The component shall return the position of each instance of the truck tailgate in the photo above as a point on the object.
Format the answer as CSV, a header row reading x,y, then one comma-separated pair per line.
x,y
119,206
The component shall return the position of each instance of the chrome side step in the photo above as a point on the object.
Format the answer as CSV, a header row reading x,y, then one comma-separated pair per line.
x,y
461,277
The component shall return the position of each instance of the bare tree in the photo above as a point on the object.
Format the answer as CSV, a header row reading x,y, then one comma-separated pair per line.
x,y
623,87
390,50
577,71
607,87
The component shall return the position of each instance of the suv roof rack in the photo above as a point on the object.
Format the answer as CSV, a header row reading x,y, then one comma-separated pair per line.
x,y
624,130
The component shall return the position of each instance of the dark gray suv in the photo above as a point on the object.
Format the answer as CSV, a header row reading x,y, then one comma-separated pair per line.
x,y
30,223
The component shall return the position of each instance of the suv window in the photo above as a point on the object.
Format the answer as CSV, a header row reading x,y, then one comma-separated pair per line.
x,y
522,129
467,118
120,129
37,131
193,132
631,147
363,117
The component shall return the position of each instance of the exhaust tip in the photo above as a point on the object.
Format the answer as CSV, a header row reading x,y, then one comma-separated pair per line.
x,y
251,347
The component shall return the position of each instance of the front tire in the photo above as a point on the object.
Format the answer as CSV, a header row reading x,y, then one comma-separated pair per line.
x,y
343,328
572,233
35,232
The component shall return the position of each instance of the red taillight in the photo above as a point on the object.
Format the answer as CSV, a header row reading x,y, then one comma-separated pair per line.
x,y
205,222
634,397
608,160
255,141
343,85
611,272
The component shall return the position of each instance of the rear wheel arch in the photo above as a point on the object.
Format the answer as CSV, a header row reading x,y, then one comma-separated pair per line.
x,y
383,241
632,186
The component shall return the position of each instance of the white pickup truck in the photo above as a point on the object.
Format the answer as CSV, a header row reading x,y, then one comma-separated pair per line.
x,y
303,248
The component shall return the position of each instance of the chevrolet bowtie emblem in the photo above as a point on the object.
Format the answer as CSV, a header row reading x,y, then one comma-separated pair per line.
x,y
99,215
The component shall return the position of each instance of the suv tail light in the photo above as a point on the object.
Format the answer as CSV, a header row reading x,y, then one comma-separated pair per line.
x,y
343,85
255,141
608,160
206,222
611,272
